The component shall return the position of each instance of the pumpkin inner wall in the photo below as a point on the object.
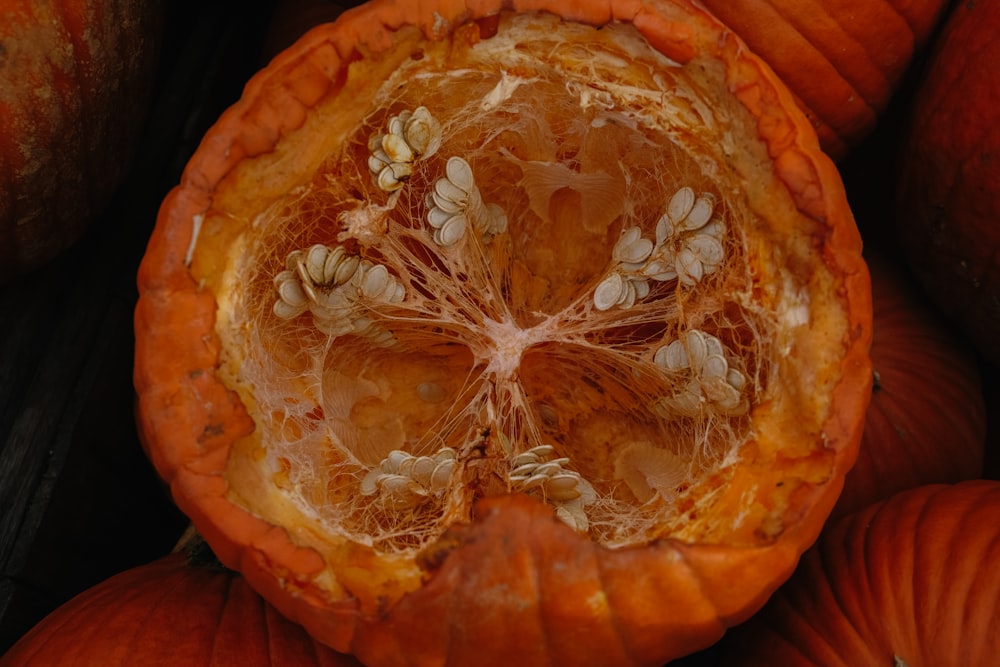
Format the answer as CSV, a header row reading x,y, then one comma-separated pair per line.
x,y
509,358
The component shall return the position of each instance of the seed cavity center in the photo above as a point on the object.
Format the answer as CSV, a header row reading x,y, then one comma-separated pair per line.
x,y
505,343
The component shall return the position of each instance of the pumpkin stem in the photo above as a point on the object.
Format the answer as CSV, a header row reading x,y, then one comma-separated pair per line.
x,y
196,550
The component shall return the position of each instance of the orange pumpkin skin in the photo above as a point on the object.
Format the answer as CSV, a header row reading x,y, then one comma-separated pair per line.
x,y
173,612
948,199
912,577
843,59
75,80
926,422
514,584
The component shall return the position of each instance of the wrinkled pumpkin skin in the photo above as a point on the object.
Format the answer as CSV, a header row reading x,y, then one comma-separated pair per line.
x,y
926,422
843,59
949,184
515,585
75,80
178,611
913,578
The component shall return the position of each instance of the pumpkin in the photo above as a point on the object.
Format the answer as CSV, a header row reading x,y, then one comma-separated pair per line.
x,y
926,422
948,196
913,578
843,59
181,610
68,69
491,332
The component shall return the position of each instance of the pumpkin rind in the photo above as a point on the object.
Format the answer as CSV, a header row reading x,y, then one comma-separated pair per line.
x,y
842,59
68,70
948,197
512,581
926,422
170,612
912,577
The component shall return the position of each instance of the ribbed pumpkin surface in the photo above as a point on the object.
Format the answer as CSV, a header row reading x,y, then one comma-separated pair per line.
x,y
843,59
913,579
926,422
170,613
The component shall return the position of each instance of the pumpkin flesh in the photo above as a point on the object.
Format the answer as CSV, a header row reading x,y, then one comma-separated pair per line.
x,y
509,341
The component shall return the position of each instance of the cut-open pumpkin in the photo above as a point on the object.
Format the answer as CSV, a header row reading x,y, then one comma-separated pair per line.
x,y
528,330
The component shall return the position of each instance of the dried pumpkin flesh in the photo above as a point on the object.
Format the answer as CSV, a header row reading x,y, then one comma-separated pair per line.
x,y
531,257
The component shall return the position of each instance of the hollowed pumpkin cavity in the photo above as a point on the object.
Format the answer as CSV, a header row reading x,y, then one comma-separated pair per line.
x,y
534,249
500,293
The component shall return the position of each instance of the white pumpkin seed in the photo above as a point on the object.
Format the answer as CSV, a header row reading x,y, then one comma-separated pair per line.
x,y
680,206
459,172
442,474
376,280
436,217
700,213
396,148
445,189
452,231
610,291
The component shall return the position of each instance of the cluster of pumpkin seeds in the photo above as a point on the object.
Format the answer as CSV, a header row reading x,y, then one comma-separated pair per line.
x,y
687,245
411,135
330,283
404,481
538,471
455,201
712,380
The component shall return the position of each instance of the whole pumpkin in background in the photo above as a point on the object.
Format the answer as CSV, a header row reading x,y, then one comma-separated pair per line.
x,y
843,59
76,77
926,422
183,610
508,332
949,180
912,579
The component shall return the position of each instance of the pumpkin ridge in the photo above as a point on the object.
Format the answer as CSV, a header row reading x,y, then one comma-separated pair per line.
x,y
828,595
890,598
850,628
120,601
869,82
221,612
842,124
937,592
540,610
616,622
